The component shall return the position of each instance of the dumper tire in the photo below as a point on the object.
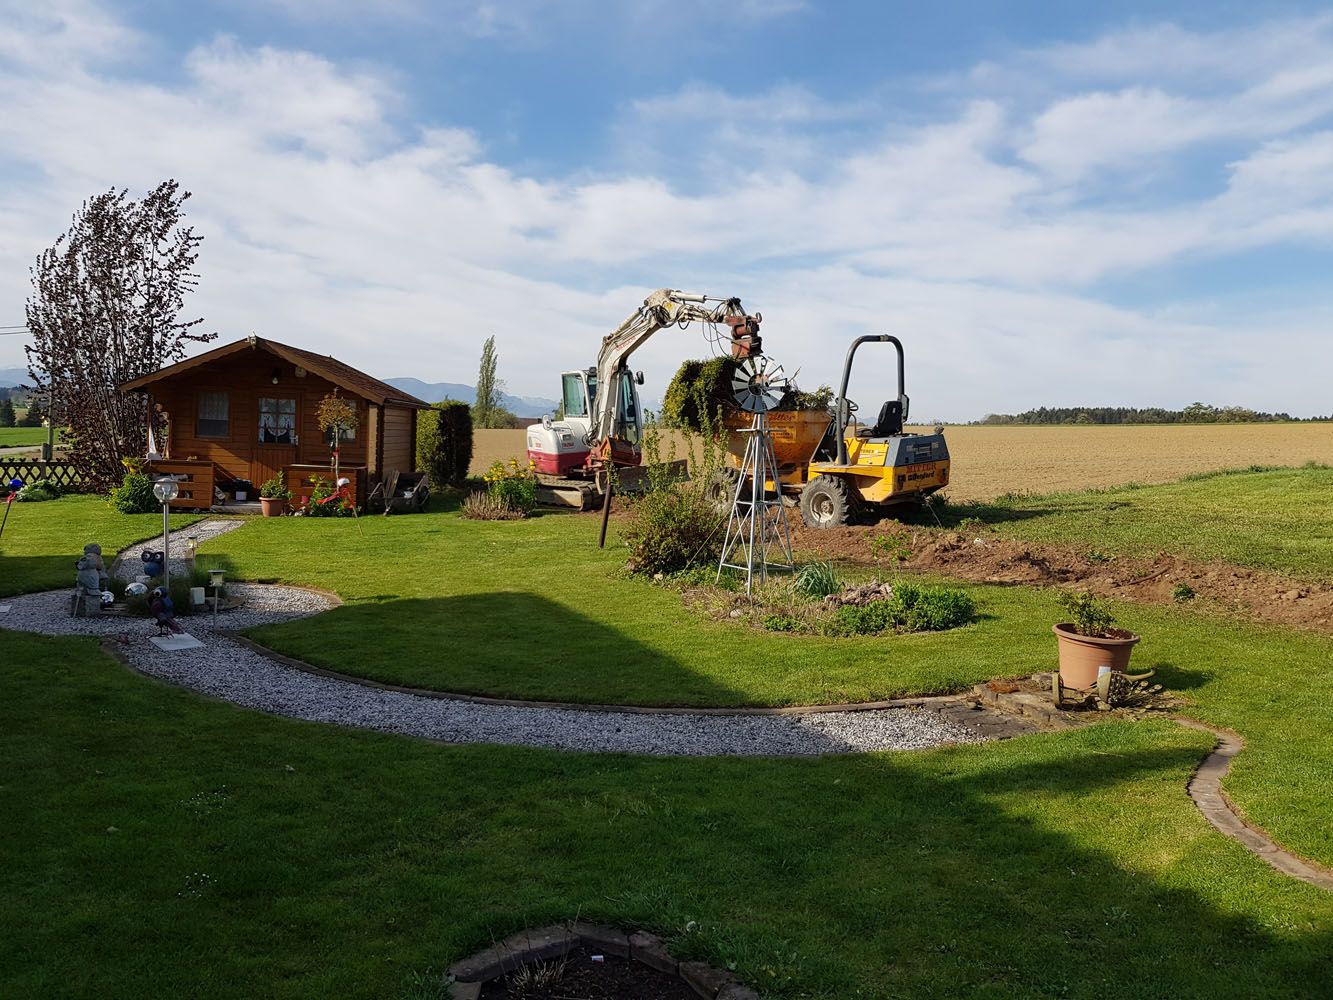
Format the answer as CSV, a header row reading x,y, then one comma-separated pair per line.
x,y
827,502
721,488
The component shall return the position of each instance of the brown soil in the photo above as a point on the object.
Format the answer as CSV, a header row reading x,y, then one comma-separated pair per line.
x,y
989,558
581,978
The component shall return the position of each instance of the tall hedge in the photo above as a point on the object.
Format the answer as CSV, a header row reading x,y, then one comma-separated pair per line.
x,y
444,442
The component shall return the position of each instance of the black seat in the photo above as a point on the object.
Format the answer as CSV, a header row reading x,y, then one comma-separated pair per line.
x,y
890,420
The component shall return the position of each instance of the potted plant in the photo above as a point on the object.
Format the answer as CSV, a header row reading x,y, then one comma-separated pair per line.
x,y
273,495
1090,640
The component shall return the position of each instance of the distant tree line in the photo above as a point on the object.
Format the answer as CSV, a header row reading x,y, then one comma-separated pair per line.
x,y
1195,413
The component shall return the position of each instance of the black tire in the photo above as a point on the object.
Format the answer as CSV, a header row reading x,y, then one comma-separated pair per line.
x,y
827,502
721,489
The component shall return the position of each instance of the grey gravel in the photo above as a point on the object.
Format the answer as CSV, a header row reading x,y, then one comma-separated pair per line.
x,y
128,563
227,669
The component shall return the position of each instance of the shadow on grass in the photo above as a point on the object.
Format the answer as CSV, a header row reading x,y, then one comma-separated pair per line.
x,y
1067,865
953,515
507,644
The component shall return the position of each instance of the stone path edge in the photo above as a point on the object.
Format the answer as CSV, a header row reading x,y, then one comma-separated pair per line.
x,y
920,701
1205,789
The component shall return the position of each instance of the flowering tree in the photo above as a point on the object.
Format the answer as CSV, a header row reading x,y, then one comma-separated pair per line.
x,y
105,309
336,415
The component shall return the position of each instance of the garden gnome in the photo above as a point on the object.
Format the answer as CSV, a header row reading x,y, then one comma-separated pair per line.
x,y
159,603
90,580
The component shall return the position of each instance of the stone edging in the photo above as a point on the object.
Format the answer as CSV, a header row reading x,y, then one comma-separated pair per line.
x,y
1205,788
467,976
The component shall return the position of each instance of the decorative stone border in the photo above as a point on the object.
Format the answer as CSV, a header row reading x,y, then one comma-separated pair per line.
x,y
467,976
1205,788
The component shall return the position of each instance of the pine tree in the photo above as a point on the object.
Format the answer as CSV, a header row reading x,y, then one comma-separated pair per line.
x,y
6,412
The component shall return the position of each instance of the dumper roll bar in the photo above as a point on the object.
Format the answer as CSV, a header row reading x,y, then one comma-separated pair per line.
x,y
843,410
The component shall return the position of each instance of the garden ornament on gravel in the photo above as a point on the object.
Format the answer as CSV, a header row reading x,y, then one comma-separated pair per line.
x,y
90,581
160,604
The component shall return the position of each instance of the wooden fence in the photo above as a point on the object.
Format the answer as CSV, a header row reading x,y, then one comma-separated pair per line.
x,y
30,470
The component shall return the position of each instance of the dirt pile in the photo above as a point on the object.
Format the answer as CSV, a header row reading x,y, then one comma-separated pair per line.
x,y
990,558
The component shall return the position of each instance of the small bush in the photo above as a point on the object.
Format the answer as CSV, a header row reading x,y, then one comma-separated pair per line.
x,y
38,491
931,609
1183,592
783,623
817,580
484,507
673,528
135,494
912,608
895,546
513,486
275,488
1089,615
707,576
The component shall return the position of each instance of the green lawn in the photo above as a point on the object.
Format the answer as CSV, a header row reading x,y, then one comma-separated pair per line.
x,y
1280,519
15,437
42,541
154,843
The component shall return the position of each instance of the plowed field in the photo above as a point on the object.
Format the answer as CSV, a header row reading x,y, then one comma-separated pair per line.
x,y
989,461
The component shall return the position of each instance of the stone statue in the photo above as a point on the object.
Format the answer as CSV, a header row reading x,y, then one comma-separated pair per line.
x,y
90,579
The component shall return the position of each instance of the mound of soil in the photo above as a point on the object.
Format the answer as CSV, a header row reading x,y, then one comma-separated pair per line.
x,y
580,978
990,558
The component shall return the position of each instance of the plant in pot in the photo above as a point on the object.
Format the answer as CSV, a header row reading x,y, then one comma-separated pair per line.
x,y
273,495
1090,640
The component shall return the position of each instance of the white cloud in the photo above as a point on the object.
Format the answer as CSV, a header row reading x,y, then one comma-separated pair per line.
x,y
973,228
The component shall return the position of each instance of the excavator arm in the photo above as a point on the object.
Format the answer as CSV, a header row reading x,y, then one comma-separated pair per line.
x,y
661,309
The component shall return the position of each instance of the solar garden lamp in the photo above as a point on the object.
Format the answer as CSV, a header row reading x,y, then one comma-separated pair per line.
x,y
215,580
165,489
192,545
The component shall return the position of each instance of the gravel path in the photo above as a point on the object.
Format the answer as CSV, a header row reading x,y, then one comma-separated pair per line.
x,y
232,671
128,563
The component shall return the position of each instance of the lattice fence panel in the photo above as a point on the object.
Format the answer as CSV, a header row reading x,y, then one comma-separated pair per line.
x,y
60,473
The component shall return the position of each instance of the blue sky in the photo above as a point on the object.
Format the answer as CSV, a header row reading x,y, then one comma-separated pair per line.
x,y
1049,203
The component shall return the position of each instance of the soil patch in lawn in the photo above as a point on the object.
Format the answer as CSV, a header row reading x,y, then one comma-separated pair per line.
x,y
578,977
990,558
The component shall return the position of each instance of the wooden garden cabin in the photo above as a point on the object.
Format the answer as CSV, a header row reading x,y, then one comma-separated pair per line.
x,y
247,409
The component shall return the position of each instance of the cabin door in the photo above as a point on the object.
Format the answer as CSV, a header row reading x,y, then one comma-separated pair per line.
x,y
276,447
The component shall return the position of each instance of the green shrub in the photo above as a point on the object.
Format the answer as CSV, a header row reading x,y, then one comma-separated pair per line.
x,y
38,491
673,528
1183,592
783,623
135,494
931,609
707,576
444,442
513,486
817,580
275,488
912,608
1089,615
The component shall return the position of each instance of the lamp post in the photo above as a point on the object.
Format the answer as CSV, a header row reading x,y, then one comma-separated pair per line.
x,y
165,489
215,577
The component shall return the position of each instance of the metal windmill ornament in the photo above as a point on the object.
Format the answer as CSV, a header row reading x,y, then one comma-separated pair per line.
x,y
757,530
757,387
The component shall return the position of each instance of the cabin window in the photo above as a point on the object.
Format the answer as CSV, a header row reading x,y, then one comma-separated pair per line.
x,y
214,415
277,421
576,404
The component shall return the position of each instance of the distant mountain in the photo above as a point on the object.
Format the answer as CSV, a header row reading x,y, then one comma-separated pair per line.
x,y
433,392
14,376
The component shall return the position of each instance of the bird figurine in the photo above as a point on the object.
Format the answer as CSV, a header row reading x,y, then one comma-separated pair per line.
x,y
159,603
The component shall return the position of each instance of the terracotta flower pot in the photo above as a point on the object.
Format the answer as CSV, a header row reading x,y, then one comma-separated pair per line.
x,y
273,506
1082,655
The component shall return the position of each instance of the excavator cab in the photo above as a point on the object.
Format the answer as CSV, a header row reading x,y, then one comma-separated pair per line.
x,y
858,466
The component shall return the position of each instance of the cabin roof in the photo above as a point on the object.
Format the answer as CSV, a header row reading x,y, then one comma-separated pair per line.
x,y
342,375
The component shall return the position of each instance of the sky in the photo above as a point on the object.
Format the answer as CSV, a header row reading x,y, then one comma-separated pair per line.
x,y
1048,203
